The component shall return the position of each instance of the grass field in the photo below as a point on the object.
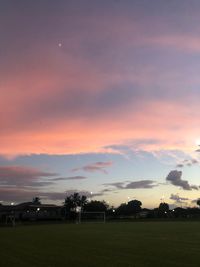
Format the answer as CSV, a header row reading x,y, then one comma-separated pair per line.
x,y
162,244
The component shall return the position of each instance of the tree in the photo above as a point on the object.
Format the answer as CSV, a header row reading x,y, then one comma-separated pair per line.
x,y
95,205
163,209
122,209
198,202
180,212
134,206
36,201
71,204
75,200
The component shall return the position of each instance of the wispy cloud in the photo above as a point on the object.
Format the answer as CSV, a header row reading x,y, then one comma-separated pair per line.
x,y
117,185
145,184
69,178
178,199
175,178
187,162
99,166
131,146
184,43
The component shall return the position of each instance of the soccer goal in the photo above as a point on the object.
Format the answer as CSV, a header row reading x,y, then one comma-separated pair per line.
x,y
10,220
99,217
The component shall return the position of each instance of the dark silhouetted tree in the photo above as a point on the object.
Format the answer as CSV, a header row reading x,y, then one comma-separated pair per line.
x,y
122,209
95,205
134,207
71,204
75,200
163,209
198,202
180,212
36,201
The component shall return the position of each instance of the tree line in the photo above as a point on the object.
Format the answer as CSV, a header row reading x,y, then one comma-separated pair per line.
x,y
75,204
133,208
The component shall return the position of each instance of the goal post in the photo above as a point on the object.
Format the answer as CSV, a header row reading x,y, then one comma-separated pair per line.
x,y
10,219
92,216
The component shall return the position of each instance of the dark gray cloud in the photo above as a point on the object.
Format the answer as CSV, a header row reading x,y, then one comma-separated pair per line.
x,y
62,195
23,176
106,190
178,199
180,165
145,184
174,177
14,194
99,166
69,178
141,184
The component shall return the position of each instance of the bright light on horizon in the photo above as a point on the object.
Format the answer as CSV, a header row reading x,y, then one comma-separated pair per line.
x,y
197,141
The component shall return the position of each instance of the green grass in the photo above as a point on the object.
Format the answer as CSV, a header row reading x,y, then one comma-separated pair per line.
x,y
162,244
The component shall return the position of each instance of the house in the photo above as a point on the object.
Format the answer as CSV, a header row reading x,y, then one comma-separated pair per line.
x,y
31,212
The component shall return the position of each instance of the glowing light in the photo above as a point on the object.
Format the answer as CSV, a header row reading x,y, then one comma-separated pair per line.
x,y
60,45
197,141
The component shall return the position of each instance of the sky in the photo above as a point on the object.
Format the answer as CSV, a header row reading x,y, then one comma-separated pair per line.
x,y
100,98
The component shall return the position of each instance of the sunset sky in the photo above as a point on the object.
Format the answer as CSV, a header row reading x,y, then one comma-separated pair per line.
x,y
100,96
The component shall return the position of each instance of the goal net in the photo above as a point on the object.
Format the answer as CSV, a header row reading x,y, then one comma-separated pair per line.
x,y
92,217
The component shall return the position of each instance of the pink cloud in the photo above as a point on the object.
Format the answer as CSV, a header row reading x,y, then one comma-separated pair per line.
x,y
186,42
178,122
61,100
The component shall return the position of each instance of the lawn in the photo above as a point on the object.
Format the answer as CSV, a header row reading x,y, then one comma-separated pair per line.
x,y
150,244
